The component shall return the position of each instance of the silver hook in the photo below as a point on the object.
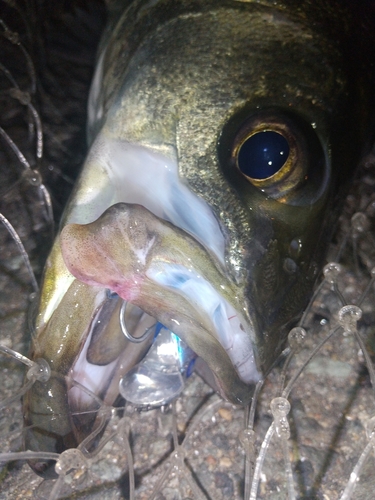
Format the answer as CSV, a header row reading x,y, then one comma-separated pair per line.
x,y
129,336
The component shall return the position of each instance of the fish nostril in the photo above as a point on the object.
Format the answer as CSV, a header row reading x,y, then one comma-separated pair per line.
x,y
290,266
295,248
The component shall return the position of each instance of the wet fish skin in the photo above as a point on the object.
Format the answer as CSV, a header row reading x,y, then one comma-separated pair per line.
x,y
297,61
184,79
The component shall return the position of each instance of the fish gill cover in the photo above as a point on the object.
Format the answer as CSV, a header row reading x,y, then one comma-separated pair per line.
x,y
198,446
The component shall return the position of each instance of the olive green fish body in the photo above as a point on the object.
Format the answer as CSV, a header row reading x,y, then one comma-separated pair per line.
x,y
222,137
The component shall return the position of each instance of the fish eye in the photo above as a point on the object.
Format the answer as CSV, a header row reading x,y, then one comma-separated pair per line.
x,y
281,155
268,156
263,154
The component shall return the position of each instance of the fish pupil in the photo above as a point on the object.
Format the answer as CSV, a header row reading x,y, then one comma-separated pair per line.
x,y
263,154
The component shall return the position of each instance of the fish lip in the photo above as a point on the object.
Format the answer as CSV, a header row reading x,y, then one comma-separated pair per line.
x,y
146,261
137,184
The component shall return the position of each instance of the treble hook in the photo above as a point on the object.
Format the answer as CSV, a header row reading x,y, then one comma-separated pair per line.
x,y
129,336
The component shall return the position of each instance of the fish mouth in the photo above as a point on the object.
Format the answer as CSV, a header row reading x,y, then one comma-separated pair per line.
x,y
145,235
160,268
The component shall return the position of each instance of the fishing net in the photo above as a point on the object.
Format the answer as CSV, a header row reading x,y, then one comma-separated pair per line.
x,y
310,433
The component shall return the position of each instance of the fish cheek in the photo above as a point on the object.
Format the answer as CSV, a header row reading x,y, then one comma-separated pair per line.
x,y
282,279
270,297
268,276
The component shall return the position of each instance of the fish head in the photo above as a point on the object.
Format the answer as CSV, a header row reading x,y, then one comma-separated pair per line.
x,y
223,134
210,89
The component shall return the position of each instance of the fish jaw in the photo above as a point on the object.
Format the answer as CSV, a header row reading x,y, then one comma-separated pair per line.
x,y
169,275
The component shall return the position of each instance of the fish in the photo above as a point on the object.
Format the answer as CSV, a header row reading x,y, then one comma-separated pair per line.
x,y
223,136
